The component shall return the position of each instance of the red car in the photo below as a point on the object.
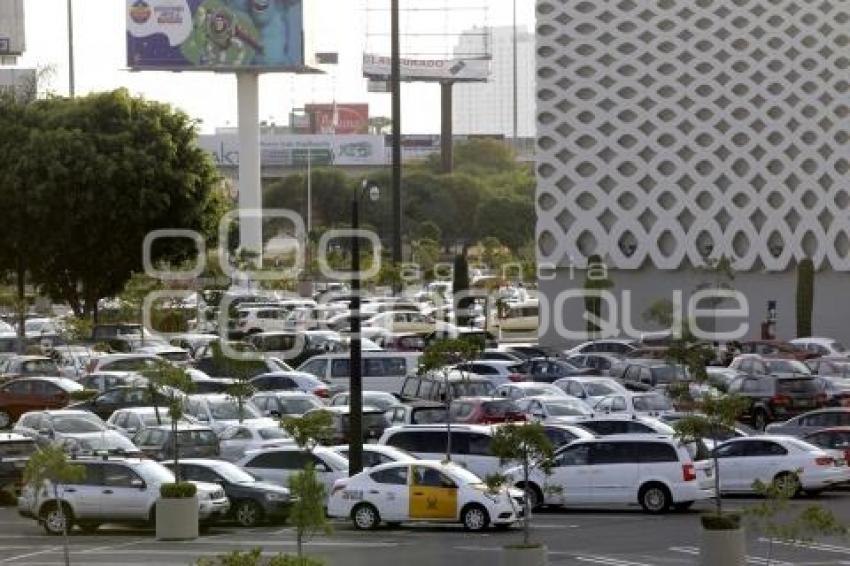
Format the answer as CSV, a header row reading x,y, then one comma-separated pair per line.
x,y
34,393
485,410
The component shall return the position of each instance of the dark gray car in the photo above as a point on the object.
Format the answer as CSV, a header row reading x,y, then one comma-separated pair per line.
x,y
811,422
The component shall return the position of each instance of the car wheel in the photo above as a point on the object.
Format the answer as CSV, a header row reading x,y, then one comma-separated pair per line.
x,y
683,506
57,519
365,517
534,495
89,528
654,498
474,518
759,420
5,419
248,513
787,482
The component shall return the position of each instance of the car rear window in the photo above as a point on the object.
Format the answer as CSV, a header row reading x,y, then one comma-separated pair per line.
x,y
499,408
796,386
197,437
428,415
17,449
652,452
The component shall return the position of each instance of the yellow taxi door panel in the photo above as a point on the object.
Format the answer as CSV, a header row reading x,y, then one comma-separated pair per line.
x,y
429,498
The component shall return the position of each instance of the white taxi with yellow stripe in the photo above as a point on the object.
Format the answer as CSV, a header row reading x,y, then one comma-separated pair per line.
x,y
423,490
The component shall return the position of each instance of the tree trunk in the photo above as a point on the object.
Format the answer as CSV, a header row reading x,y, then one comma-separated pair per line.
x,y
21,310
65,545
526,523
175,448
299,543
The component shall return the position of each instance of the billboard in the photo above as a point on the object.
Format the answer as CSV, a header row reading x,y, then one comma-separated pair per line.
x,y
296,150
338,118
377,67
12,27
215,35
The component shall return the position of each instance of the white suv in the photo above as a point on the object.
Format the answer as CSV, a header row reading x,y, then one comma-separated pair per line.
x,y
121,490
654,471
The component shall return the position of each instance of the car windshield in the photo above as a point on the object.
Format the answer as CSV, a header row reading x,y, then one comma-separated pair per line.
x,y
599,388
196,437
272,433
838,347
279,365
651,403
787,366
108,442
17,449
541,390
149,469
297,406
429,415
472,389
567,408
38,367
76,424
232,473
464,476
228,409
667,374
499,408
149,419
382,402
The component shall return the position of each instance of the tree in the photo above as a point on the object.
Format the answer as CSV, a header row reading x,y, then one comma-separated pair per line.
x,y
173,381
510,219
308,510
805,297
718,415
774,516
101,172
428,230
440,357
528,446
593,304
49,467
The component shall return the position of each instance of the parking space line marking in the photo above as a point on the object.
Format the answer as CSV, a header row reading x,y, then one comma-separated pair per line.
x,y
823,547
694,551
36,553
609,560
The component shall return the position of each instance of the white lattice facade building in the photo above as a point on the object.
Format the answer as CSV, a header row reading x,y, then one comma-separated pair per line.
x,y
672,131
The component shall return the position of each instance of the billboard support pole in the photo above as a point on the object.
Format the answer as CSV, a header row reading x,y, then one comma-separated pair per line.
x,y
71,85
446,136
250,195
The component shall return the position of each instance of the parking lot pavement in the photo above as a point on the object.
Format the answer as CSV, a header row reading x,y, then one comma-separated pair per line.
x,y
585,537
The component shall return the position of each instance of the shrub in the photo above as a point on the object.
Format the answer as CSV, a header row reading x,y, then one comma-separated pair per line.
x,y
255,558
183,490
717,522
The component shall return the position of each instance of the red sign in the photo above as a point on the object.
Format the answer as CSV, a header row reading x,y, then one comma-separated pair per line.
x,y
338,118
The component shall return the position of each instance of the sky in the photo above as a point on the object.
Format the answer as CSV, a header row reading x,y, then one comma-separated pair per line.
x,y
343,26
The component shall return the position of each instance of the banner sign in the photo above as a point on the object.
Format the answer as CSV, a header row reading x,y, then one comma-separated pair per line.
x,y
297,150
377,67
215,35
338,118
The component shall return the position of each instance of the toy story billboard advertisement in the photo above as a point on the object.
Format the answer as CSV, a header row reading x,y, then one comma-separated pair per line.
x,y
215,35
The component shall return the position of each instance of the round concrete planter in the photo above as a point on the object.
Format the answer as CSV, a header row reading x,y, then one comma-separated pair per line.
x,y
524,556
723,548
177,519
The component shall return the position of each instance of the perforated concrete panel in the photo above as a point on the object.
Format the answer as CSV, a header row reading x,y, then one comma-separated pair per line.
x,y
674,130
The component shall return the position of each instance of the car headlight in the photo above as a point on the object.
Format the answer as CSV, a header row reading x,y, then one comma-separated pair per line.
x,y
273,496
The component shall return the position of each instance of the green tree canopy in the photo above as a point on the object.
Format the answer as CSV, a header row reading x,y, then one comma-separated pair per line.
x,y
99,173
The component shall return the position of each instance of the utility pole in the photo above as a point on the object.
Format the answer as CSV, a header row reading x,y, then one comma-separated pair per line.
x,y
71,86
395,86
516,75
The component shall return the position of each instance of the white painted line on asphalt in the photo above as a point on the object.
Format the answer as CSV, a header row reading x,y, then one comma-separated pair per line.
x,y
823,547
252,543
30,554
609,560
694,551
114,546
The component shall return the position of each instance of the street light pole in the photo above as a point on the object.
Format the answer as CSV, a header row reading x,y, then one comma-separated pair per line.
x,y
355,418
71,85
516,76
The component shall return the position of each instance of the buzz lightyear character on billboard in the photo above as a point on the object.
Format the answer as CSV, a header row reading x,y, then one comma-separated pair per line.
x,y
279,26
221,36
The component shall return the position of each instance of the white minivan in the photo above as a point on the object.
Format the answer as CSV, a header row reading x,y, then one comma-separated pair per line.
x,y
382,371
650,470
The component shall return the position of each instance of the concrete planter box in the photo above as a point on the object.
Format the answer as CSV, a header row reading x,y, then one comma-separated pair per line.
x,y
723,548
177,519
524,556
